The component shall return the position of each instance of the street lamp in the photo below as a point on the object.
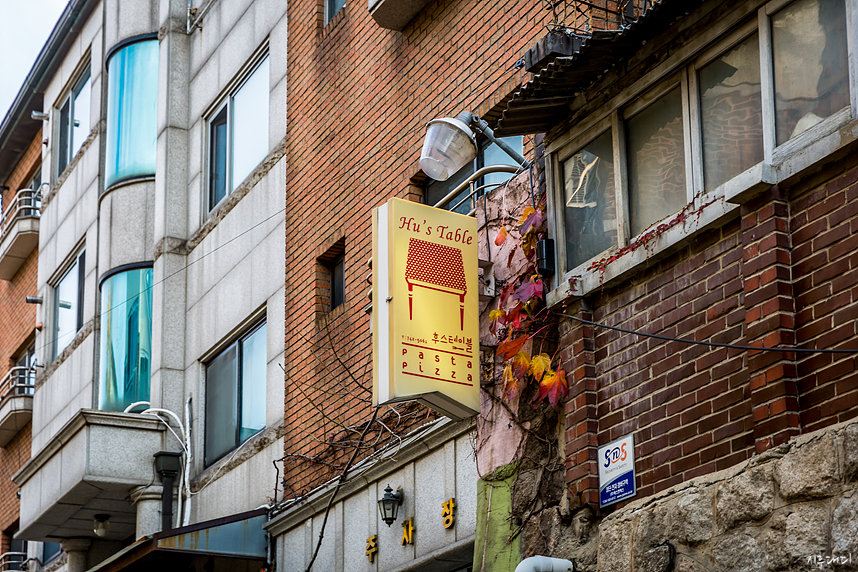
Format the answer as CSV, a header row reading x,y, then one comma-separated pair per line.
x,y
450,144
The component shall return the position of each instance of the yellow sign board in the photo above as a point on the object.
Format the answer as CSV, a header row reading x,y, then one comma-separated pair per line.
x,y
425,308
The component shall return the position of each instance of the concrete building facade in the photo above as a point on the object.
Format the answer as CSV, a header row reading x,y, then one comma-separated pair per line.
x,y
159,271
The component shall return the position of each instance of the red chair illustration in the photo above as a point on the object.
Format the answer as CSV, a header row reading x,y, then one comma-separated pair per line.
x,y
436,267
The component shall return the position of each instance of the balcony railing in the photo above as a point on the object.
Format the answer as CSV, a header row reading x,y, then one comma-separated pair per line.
x,y
12,561
19,231
26,203
581,18
19,381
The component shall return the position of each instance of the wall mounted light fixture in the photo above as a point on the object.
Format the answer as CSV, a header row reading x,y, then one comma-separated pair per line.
x,y
388,505
101,525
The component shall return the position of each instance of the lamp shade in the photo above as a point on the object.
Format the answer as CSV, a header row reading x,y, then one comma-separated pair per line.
x,y
449,145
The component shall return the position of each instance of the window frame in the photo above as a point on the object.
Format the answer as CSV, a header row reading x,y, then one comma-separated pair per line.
x,y
338,285
682,68
64,154
234,342
77,260
330,13
227,101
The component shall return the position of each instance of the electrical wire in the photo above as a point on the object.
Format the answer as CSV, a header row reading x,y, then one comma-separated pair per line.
x,y
710,344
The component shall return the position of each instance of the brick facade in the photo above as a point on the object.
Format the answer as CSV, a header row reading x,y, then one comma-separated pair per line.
x,y
17,322
781,273
359,99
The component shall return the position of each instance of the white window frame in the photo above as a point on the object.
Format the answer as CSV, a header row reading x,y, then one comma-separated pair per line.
x,y
681,67
227,101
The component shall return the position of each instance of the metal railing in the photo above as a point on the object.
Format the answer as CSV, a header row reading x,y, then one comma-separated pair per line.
x,y
474,189
27,203
20,380
581,18
12,561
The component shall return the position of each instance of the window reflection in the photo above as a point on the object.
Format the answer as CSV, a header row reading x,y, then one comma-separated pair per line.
x,y
132,112
126,339
250,124
591,224
731,113
811,76
68,310
656,161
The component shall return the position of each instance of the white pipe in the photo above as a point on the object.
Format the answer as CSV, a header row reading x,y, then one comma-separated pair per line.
x,y
544,564
188,458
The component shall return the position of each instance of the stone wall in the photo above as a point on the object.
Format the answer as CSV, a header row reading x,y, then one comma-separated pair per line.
x,y
794,507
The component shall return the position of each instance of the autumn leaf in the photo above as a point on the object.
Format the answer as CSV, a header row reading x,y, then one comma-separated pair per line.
x,y
514,317
511,256
533,288
532,222
527,212
494,315
521,364
509,348
501,237
553,386
510,385
539,365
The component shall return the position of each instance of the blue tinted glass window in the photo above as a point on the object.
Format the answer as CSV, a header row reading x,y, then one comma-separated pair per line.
x,y
126,339
132,112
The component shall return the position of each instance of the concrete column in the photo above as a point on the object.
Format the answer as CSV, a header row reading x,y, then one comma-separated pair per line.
x,y
148,502
582,425
76,550
770,318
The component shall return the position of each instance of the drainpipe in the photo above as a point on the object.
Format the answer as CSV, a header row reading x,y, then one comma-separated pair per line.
x,y
544,564
168,464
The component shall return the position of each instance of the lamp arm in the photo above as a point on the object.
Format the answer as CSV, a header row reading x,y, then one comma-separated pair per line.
x,y
475,122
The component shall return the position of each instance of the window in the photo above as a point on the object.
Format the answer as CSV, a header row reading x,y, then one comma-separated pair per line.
x,y
238,135
338,282
489,154
235,394
126,339
132,112
332,7
73,121
68,305
811,75
749,98
50,550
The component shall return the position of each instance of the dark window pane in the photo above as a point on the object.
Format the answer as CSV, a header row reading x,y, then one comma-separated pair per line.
x,y
656,162
63,133
731,113
591,207
494,155
338,283
811,74
50,550
221,404
217,158
254,366
80,111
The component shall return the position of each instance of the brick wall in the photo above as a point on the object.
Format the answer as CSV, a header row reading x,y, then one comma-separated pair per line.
x,y
781,273
359,99
17,322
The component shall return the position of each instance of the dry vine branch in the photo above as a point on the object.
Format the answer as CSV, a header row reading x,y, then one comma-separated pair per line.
x,y
336,490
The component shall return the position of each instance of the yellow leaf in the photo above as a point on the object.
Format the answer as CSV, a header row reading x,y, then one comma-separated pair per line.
x,y
495,314
510,385
539,365
521,364
527,212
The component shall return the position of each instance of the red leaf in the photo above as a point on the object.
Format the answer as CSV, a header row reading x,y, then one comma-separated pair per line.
x,y
553,386
501,237
509,348
528,290
533,220
511,254
520,364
